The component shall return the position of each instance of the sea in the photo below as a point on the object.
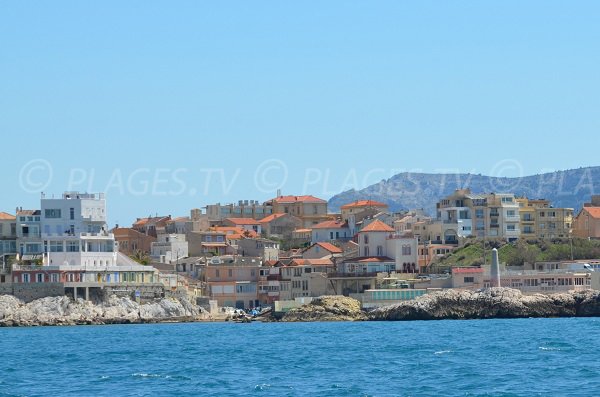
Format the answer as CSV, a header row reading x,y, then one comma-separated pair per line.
x,y
526,357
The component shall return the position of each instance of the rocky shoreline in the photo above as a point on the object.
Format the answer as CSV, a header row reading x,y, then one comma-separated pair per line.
x,y
53,311
454,305
443,305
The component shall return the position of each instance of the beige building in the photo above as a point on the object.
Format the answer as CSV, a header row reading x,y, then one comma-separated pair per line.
x,y
309,209
305,277
8,235
357,208
463,214
587,222
538,219
280,226
243,209
232,281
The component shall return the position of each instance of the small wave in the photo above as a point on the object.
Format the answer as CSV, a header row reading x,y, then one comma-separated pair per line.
x,y
262,387
550,349
143,375
443,352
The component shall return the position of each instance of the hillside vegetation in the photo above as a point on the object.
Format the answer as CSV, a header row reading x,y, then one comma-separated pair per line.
x,y
521,251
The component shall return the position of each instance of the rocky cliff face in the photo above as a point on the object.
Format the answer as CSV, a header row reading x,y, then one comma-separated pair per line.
x,y
327,308
64,311
491,303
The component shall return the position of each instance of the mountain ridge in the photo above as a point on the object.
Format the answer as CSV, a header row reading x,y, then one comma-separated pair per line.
x,y
407,190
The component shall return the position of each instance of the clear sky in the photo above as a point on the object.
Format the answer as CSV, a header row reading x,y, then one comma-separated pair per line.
x,y
168,106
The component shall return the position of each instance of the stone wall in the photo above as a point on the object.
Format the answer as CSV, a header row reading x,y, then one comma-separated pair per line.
x,y
33,291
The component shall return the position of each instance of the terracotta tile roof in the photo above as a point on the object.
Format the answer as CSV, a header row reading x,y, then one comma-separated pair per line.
x,y
271,263
365,259
7,217
331,225
242,221
144,221
302,230
363,203
330,247
271,218
377,226
229,230
593,211
298,199
311,262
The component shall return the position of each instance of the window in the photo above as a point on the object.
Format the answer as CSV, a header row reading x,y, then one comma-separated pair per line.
x,y
56,246
511,213
406,250
217,273
26,278
52,213
366,239
379,250
230,273
511,228
71,213
39,278
366,251
469,280
54,277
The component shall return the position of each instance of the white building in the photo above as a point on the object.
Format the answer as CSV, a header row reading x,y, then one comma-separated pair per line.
x,y
169,248
74,230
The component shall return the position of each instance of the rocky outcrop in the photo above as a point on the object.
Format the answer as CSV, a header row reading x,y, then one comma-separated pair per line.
x,y
115,310
327,308
491,303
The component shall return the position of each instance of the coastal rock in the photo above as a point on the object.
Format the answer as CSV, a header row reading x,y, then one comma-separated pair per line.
x,y
327,308
115,310
490,303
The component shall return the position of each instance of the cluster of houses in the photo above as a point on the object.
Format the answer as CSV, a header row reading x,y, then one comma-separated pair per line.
x,y
288,249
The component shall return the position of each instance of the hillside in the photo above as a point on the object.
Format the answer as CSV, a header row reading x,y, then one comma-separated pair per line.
x,y
404,191
515,254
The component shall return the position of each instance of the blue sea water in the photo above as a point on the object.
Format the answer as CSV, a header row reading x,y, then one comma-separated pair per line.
x,y
530,357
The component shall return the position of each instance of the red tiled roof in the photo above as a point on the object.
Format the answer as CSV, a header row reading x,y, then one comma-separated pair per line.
x,y
302,230
330,247
271,218
243,221
377,226
311,262
143,221
7,217
330,225
593,211
363,203
365,259
298,199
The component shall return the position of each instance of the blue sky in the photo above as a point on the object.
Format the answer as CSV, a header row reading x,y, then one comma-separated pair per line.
x,y
167,107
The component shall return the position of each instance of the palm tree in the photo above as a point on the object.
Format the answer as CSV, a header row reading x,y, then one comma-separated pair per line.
x,y
140,257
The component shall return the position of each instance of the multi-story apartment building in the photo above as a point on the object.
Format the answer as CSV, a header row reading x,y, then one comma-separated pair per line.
x,y
233,281
29,236
69,236
464,214
8,236
538,219
243,209
311,210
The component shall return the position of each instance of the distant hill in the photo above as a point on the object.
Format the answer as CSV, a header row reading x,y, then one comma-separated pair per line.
x,y
404,191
